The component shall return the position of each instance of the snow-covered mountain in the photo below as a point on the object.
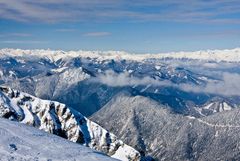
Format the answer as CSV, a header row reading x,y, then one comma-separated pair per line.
x,y
213,106
187,85
23,143
232,55
156,130
83,79
57,118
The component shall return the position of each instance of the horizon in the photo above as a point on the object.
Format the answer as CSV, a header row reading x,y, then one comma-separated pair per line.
x,y
124,51
130,26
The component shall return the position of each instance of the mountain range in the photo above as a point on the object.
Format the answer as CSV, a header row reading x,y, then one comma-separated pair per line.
x,y
169,106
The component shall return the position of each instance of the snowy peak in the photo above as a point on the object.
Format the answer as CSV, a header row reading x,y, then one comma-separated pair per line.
x,y
228,55
57,118
214,106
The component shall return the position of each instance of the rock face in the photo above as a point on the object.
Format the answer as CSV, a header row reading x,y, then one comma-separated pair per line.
x,y
56,118
156,130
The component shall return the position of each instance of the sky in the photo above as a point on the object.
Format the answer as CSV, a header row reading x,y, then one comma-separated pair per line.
x,y
139,26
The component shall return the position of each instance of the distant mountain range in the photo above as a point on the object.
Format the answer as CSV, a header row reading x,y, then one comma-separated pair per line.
x,y
228,55
142,98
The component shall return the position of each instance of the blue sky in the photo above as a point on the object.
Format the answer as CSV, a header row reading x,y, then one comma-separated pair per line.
x,y
130,25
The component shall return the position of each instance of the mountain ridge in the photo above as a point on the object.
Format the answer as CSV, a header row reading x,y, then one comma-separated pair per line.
x,y
57,118
228,55
156,130
20,142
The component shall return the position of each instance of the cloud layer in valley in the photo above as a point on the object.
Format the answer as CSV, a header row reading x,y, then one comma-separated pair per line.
x,y
228,86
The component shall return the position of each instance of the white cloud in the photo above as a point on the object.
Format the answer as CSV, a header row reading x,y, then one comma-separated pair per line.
x,y
65,30
23,42
113,79
16,35
137,10
97,34
228,86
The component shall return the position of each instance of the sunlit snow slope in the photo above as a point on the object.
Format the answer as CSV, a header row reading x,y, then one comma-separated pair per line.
x,y
21,143
56,118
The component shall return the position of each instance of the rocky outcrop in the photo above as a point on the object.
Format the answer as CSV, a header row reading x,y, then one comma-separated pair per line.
x,y
57,118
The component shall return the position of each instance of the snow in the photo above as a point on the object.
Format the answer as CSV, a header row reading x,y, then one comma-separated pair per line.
x,y
12,73
144,89
55,117
21,142
74,75
208,106
158,67
59,70
1,73
122,150
228,55
226,106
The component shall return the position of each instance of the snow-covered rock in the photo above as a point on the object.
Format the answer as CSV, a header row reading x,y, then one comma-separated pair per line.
x,y
57,118
212,107
24,143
